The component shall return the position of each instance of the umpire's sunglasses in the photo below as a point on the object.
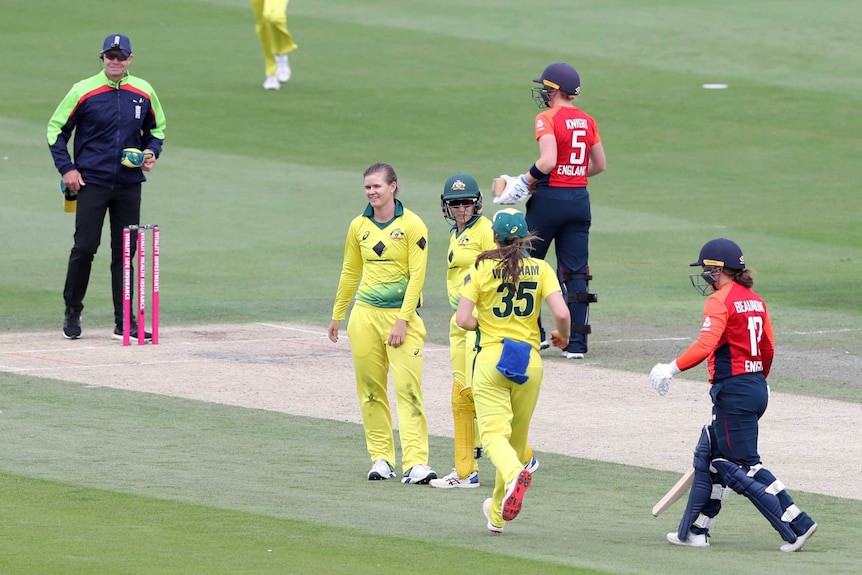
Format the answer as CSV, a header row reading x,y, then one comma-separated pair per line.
x,y
115,56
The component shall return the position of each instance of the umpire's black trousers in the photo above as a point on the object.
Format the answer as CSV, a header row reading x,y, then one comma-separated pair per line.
x,y
124,208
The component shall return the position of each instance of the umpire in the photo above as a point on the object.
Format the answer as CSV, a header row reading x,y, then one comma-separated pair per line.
x,y
108,113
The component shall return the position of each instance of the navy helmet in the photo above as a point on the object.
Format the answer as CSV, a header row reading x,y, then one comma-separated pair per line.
x,y
557,76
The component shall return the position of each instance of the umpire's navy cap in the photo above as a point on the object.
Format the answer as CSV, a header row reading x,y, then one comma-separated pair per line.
x,y
117,42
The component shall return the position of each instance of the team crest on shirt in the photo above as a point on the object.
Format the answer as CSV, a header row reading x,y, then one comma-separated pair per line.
x,y
396,234
463,242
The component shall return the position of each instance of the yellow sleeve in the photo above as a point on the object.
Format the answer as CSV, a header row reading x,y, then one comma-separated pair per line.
x,y
351,271
417,263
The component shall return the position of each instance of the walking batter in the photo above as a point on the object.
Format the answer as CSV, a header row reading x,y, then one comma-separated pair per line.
x,y
737,341
505,289
385,255
558,209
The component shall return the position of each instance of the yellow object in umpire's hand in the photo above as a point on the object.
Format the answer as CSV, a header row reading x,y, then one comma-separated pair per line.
x,y
70,198
134,158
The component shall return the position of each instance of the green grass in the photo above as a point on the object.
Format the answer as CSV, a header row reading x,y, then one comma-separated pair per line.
x,y
106,480
255,189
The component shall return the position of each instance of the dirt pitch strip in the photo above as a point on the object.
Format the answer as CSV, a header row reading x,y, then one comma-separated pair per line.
x,y
584,411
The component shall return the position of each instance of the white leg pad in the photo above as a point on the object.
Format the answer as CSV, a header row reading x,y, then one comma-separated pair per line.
x,y
791,513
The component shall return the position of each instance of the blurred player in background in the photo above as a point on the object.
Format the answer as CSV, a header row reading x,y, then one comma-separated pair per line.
x,y
275,41
736,339
108,112
385,259
558,210
501,300
471,235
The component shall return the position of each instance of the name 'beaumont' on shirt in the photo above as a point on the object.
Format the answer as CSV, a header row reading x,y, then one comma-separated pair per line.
x,y
745,305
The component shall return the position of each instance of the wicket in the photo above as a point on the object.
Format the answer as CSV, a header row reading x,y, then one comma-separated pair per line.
x,y
142,284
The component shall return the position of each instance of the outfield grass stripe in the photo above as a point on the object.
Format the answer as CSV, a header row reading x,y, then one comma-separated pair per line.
x,y
581,514
61,529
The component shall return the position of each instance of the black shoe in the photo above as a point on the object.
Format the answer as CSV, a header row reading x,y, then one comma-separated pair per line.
x,y
72,324
133,332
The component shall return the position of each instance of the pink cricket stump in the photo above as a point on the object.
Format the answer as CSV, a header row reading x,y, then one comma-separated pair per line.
x,y
155,279
142,284
127,284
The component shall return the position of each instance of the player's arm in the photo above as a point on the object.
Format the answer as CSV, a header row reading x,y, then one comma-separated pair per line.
x,y
417,264
562,319
351,269
767,345
552,293
547,157
547,149
714,322
598,161
464,314
467,304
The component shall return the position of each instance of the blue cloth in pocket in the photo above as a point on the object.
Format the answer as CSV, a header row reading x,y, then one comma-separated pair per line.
x,y
514,360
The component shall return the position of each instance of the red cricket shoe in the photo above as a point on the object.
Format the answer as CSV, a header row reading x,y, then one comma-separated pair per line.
x,y
515,495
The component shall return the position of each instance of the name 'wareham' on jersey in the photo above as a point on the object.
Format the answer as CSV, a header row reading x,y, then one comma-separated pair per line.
x,y
507,310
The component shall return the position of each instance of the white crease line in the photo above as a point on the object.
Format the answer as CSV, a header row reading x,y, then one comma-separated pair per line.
x,y
287,328
98,366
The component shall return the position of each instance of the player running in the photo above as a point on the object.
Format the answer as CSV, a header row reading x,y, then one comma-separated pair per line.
x,y
501,300
737,341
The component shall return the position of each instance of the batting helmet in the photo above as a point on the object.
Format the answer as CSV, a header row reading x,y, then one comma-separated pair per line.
x,y
715,256
557,76
460,187
722,253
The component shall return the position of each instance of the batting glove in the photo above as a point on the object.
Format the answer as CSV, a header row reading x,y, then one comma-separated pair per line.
x,y
661,375
517,188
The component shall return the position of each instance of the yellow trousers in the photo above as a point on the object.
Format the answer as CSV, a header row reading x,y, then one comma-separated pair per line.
x,y
368,330
271,28
504,410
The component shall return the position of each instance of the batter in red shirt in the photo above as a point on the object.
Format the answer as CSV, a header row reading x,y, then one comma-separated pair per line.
x,y
737,341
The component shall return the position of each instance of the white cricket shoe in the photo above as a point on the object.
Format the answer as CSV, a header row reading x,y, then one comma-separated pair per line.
x,y
454,480
419,475
282,68
544,345
485,511
572,355
533,465
800,541
380,470
693,540
271,83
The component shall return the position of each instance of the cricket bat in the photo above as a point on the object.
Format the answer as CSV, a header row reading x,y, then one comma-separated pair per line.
x,y
498,185
678,490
